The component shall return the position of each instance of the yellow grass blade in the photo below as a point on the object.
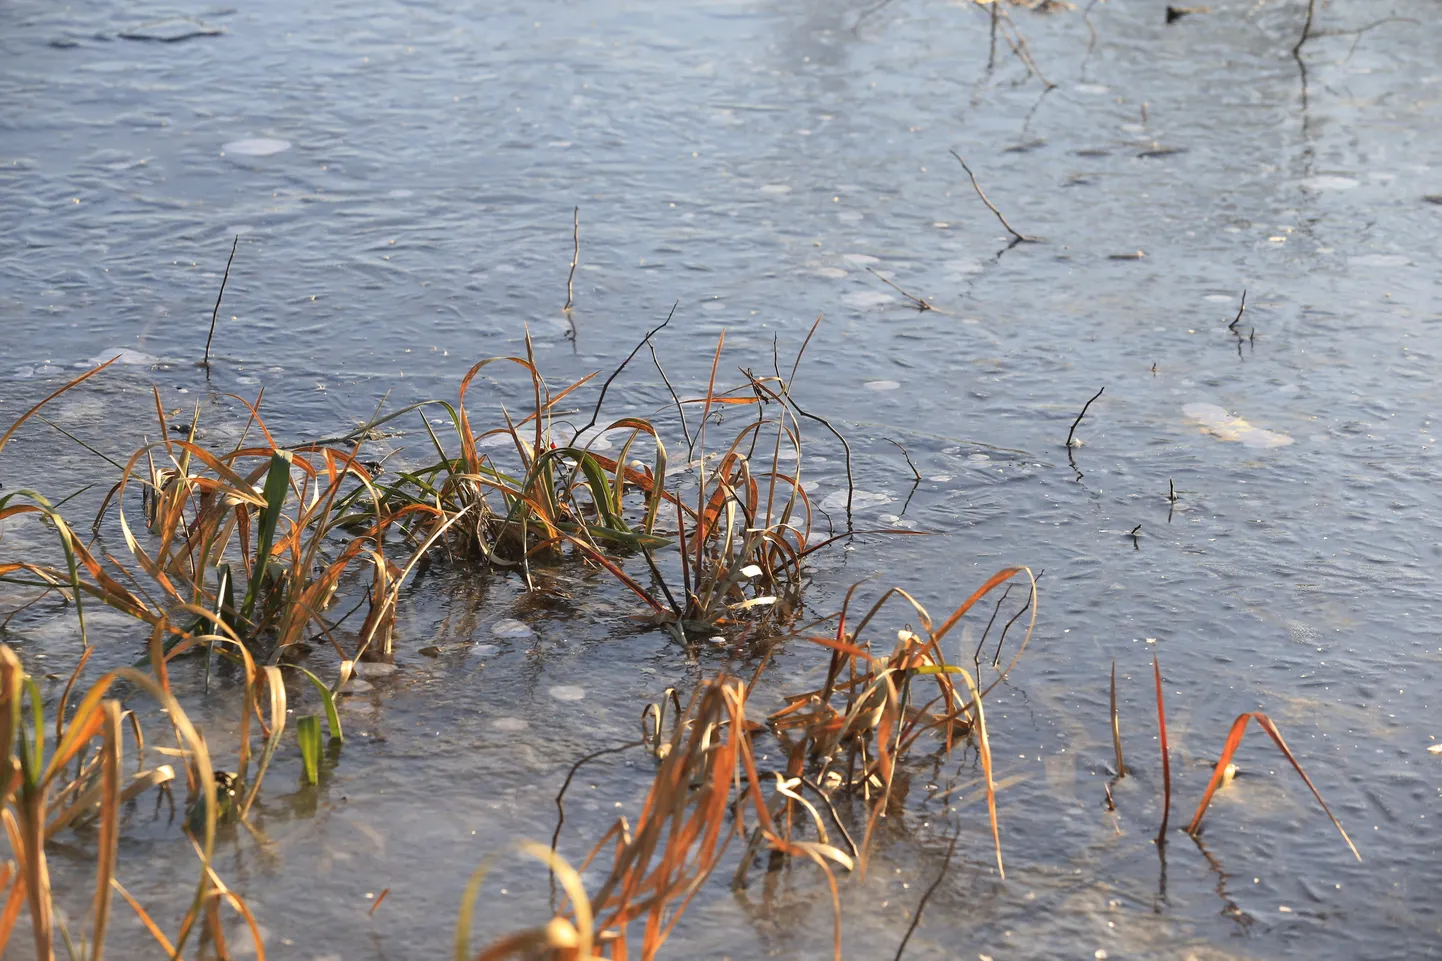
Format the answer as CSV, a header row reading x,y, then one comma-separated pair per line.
x,y
145,919
5,438
109,841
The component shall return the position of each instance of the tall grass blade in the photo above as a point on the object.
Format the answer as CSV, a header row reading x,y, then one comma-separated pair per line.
x,y
277,482
1116,725
327,697
5,438
1166,754
275,686
109,840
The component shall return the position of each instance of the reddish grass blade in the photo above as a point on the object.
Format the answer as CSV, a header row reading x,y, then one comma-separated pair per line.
x,y
1166,756
1234,740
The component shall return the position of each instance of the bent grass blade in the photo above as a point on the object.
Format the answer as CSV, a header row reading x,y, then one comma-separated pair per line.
x,y
1234,741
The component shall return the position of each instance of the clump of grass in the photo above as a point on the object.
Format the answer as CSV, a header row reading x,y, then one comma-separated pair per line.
x,y
856,728
708,789
83,780
265,538
724,549
255,542
554,494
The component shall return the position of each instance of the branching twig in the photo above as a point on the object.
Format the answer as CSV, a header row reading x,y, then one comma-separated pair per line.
x,y
617,372
1020,237
560,795
874,8
1030,600
216,312
850,484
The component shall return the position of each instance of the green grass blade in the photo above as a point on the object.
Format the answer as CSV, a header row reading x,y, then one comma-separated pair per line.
x,y
307,733
277,483
332,716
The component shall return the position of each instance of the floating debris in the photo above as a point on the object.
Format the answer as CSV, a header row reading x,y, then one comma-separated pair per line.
x,y
510,627
836,500
1380,260
1217,422
867,298
256,147
567,692
123,356
1329,182
170,30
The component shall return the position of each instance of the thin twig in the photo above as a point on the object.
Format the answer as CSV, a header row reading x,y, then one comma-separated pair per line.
x,y
856,27
560,795
1079,417
216,312
981,644
850,483
1306,28
680,407
1031,599
921,905
1242,310
1020,237
575,258
835,818
991,52
917,302
617,372
116,464
914,472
